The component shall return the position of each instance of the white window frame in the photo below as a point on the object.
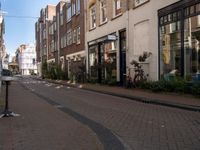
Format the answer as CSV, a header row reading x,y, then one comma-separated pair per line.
x,y
78,6
69,13
69,37
73,8
61,18
198,20
78,31
103,11
74,36
93,17
117,7
139,2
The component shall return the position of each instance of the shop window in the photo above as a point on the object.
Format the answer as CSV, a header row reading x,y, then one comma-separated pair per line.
x,y
170,48
117,10
93,17
103,12
191,46
174,27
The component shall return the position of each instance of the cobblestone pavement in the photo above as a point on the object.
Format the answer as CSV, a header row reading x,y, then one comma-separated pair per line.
x,y
139,126
42,127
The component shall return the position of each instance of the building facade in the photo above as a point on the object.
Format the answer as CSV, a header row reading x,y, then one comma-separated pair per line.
x,y
65,35
106,40
107,35
43,39
26,58
120,31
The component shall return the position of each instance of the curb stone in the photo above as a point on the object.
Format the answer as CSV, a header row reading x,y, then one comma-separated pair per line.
x,y
135,98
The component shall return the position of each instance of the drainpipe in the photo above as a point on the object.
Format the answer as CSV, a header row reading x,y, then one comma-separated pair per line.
x,y
127,35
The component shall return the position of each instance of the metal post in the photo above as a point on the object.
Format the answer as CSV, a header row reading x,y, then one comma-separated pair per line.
x,y
6,112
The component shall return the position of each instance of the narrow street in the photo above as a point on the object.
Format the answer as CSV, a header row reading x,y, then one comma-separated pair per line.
x,y
59,117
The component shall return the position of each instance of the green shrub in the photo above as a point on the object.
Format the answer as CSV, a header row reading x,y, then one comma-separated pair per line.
x,y
176,85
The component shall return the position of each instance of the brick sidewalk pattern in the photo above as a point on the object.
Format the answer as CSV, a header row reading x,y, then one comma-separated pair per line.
x,y
183,101
42,127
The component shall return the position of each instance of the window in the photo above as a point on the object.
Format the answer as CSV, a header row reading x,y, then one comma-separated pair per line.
x,y
93,17
69,37
175,26
51,30
73,8
74,36
69,15
78,35
61,18
54,26
52,47
44,34
198,20
117,7
139,2
78,6
103,13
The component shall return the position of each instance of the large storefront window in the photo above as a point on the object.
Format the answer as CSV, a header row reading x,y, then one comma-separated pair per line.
x,y
93,62
180,39
102,61
170,47
191,45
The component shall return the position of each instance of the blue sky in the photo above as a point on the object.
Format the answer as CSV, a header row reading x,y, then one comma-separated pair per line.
x,y
21,30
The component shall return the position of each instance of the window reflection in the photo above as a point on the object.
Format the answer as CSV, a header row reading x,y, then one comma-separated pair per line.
x,y
170,47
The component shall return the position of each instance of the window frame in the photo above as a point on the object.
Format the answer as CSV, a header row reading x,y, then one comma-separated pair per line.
x,y
78,6
93,14
78,37
69,13
139,2
103,8
117,11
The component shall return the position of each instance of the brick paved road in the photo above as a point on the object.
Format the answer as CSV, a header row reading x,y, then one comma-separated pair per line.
x,y
42,127
138,126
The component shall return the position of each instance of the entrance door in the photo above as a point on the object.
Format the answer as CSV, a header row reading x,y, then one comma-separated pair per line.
x,y
122,35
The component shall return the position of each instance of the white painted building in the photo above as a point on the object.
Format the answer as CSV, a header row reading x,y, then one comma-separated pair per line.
x,y
26,55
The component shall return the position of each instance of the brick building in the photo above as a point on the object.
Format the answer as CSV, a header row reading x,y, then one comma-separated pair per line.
x,y
65,30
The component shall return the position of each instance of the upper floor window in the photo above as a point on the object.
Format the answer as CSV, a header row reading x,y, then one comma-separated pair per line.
x,y
78,6
139,2
78,41
69,13
103,12
73,8
117,7
93,17
69,37
61,18
198,20
74,36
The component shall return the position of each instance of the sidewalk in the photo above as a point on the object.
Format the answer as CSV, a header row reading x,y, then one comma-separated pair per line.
x,y
42,127
182,101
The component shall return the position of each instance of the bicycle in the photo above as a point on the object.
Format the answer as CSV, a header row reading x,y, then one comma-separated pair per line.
x,y
139,73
